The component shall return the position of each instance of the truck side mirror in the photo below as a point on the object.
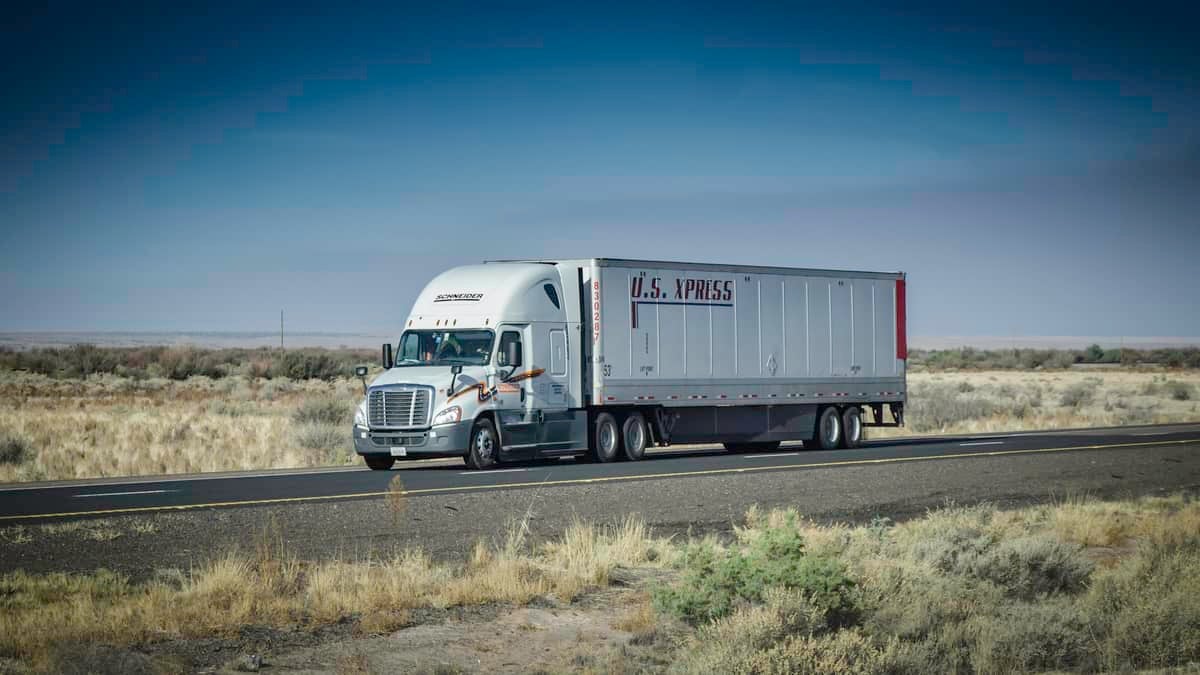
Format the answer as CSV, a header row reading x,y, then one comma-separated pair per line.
x,y
361,372
512,354
387,356
454,371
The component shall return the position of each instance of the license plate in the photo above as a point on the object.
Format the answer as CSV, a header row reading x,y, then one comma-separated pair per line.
x,y
399,452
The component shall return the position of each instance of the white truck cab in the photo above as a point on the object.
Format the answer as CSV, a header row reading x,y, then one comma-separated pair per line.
x,y
484,350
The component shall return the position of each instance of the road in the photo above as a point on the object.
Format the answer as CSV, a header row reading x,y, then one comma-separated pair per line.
x,y
106,497
351,511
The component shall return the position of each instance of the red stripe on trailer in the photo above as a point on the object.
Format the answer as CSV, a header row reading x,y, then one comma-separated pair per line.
x,y
901,322
610,398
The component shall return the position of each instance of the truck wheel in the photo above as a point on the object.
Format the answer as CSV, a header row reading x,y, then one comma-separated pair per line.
x,y
635,436
829,429
484,445
606,439
852,427
379,462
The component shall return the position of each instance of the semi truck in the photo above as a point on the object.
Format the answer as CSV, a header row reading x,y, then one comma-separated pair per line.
x,y
604,358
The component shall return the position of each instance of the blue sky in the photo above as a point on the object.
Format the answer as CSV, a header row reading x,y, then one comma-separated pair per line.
x,y
1034,173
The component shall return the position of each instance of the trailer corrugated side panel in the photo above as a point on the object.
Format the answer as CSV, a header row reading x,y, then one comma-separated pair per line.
x,y
679,333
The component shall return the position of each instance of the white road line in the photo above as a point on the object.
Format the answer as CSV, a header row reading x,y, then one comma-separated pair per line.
x,y
121,494
1156,433
484,473
982,443
187,478
775,454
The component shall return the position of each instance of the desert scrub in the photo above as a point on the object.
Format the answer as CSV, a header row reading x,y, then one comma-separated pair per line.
x,y
14,448
716,580
1079,394
325,410
935,407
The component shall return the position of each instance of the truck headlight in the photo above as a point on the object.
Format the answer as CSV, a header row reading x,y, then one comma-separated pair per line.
x,y
448,416
360,414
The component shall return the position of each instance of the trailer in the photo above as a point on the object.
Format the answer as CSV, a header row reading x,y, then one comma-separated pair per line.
x,y
605,358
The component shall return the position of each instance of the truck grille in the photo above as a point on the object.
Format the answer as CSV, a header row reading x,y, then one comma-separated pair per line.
x,y
398,408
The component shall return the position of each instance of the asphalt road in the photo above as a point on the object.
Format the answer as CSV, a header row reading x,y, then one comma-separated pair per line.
x,y
147,527
50,501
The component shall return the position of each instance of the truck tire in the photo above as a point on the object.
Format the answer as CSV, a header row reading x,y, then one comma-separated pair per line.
x,y
829,429
852,427
379,462
484,445
606,438
634,436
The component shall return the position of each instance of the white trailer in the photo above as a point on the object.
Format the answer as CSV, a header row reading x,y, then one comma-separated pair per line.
x,y
604,358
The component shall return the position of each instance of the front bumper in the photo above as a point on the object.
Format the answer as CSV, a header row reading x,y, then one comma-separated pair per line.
x,y
448,440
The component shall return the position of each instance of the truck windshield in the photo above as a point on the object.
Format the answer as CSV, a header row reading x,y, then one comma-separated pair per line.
x,y
444,348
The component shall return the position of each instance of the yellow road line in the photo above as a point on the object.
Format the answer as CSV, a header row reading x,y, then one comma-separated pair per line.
x,y
600,479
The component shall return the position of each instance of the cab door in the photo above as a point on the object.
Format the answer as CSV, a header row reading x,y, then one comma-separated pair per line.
x,y
552,389
516,409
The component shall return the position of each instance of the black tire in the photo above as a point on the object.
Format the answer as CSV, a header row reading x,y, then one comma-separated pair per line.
x,y
736,447
484,446
379,462
852,427
606,438
634,436
829,429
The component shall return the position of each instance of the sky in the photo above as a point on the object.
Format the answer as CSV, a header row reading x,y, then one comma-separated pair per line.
x,y
1034,171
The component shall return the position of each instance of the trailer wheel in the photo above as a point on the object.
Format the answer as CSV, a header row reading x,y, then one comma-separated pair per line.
x,y
852,427
484,445
829,428
606,439
379,462
635,436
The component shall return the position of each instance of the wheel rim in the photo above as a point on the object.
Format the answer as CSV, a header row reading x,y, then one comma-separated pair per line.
x,y
635,438
831,428
854,430
608,438
483,444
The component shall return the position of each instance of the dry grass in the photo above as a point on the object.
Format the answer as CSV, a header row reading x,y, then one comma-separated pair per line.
x,y
964,588
110,426
994,401
272,588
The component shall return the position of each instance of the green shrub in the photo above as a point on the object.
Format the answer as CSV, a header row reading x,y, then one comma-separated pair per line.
x,y
325,410
1077,395
1028,567
316,436
1147,608
1179,391
180,363
714,581
14,449
1027,638
937,406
